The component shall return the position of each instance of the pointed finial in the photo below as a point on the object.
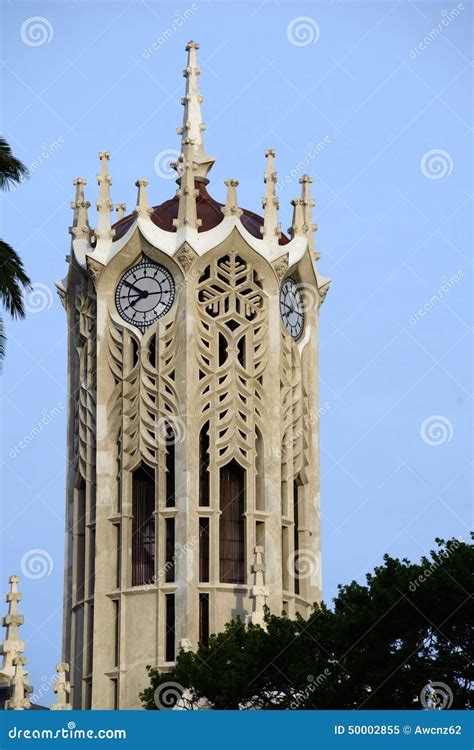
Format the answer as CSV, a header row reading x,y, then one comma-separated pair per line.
x,y
187,208
104,229
260,592
298,227
309,204
231,207
80,228
193,126
271,228
62,688
21,690
142,208
120,208
12,646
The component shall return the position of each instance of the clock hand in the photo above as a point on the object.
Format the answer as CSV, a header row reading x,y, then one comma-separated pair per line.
x,y
132,286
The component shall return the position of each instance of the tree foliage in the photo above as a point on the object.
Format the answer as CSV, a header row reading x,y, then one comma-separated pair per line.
x,y
376,649
13,278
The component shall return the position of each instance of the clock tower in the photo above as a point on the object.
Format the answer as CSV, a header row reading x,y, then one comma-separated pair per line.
x,y
193,426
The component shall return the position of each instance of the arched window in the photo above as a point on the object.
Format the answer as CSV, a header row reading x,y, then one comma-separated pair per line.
x,y
143,527
170,466
260,472
204,465
232,524
296,534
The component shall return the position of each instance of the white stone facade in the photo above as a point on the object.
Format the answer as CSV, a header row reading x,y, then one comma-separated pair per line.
x,y
220,359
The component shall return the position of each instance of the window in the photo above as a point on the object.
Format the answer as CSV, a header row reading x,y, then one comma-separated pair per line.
x,y
296,535
143,527
170,628
204,619
90,638
91,582
232,524
284,559
204,550
259,472
116,607
117,555
80,532
204,466
169,550
170,467
115,693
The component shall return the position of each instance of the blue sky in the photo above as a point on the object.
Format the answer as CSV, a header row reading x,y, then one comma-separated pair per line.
x,y
393,190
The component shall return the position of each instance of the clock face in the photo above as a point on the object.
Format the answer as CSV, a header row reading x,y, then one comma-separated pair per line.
x,y
145,293
291,307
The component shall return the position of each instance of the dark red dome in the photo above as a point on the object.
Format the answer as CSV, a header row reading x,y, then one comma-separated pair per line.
x,y
208,210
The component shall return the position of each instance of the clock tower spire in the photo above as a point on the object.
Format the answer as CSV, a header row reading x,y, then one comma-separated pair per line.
x,y
192,490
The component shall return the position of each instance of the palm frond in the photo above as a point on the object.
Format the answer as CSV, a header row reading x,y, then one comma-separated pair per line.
x,y
12,170
13,279
3,340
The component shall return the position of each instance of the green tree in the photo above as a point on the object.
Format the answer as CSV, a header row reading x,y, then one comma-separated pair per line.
x,y
376,649
13,279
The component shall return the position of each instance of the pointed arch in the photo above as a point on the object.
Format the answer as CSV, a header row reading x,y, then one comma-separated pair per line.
x,y
232,523
143,525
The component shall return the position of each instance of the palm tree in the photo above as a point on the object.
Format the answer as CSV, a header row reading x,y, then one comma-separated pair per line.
x,y
12,274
